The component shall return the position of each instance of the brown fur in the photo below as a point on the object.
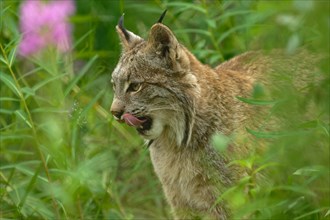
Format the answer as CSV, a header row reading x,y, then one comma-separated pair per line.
x,y
188,102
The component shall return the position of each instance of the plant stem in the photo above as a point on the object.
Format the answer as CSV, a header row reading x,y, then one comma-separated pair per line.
x,y
34,131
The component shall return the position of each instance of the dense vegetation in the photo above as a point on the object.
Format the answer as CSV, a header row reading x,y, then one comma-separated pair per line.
x,y
64,157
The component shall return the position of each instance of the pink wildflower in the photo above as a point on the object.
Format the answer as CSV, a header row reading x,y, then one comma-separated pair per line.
x,y
45,24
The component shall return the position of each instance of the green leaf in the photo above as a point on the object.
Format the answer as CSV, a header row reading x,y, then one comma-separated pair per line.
x,y
3,60
211,23
293,44
80,75
10,44
264,166
215,58
258,91
12,56
328,213
49,110
257,101
15,137
296,189
260,134
28,91
23,116
243,163
91,103
82,38
232,192
309,171
5,9
231,31
194,31
311,213
24,168
34,70
34,206
220,142
30,186
9,81
19,152
48,80
185,6
9,99
232,13
6,111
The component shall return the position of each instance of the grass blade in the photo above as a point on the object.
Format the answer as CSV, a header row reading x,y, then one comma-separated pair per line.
x,y
45,82
30,186
22,115
311,213
12,56
185,6
192,30
231,14
3,60
8,99
23,167
257,102
6,111
231,31
10,83
15,137
92,102
80,75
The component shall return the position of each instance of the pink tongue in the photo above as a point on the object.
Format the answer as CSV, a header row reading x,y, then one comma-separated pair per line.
x,y
132,120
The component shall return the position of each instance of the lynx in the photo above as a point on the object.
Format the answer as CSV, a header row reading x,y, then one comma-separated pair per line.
x,y
177,104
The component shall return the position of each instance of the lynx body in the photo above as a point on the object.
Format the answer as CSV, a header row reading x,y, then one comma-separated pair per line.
x,y
178,104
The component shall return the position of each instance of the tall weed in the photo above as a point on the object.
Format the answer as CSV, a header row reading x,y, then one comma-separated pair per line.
x,y
63,156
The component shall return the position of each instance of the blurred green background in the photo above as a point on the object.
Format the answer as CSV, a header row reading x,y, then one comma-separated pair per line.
x,y
64,157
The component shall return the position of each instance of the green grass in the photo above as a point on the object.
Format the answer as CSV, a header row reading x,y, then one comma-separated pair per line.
x,y
64,157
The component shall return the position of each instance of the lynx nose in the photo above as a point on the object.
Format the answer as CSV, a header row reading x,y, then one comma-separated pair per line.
x,y
117,108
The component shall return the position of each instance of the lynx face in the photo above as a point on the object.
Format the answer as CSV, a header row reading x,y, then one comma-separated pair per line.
x,y
153,86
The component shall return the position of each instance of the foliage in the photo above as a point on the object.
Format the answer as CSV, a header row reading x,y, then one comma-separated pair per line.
x,y
63,156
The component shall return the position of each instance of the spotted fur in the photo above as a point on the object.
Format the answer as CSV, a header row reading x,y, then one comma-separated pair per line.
x,y
188,102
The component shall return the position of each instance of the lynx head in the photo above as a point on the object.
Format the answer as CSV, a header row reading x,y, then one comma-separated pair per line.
x,y
154,86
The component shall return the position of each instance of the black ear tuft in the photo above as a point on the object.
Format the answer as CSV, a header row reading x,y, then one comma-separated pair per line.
x,y
162,16
122,28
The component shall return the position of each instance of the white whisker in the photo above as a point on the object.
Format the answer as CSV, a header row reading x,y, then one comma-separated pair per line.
x,y
158,109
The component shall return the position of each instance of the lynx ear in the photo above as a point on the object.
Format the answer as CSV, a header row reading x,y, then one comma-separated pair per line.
x,y
127,38
162,41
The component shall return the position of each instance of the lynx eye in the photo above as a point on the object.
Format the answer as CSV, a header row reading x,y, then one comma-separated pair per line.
x,y
134,87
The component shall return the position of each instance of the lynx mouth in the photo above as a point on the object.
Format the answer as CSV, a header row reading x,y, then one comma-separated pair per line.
x,y
145,126
142,124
